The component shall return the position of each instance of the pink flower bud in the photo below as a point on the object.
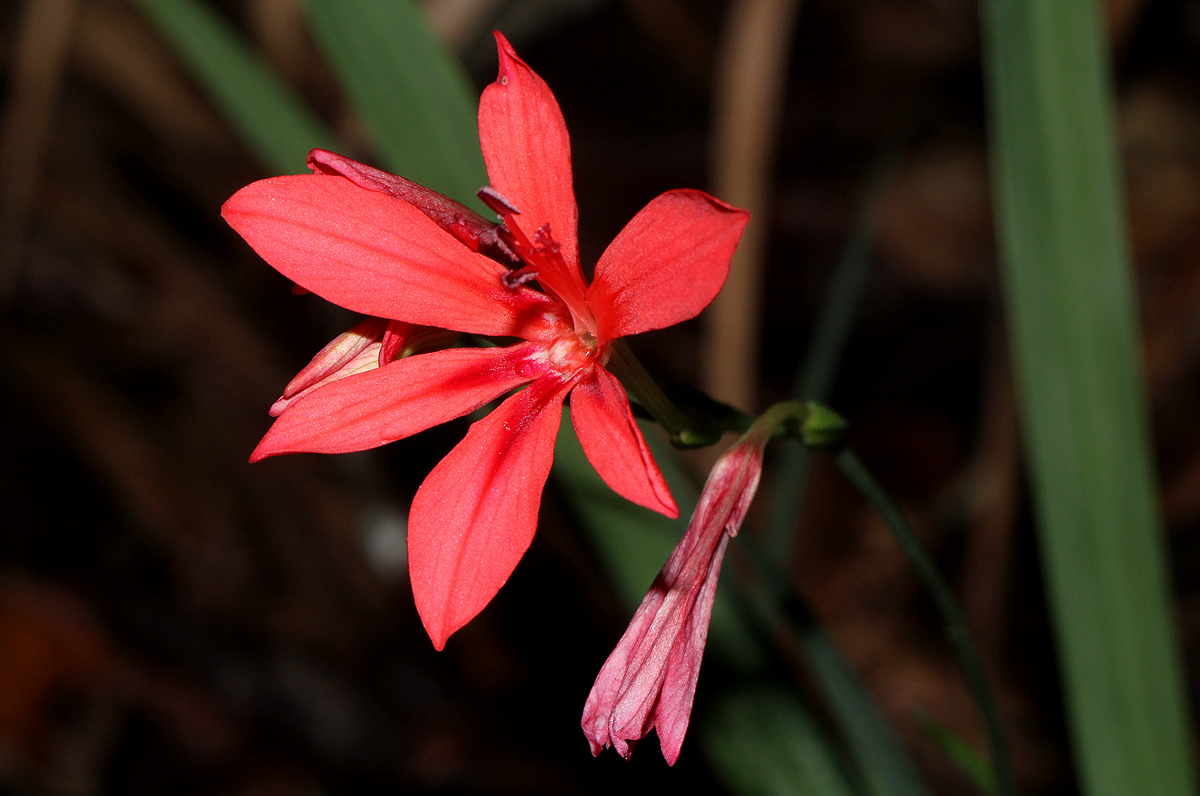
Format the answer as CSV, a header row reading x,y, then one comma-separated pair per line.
x,y
371,343
352,351
649,680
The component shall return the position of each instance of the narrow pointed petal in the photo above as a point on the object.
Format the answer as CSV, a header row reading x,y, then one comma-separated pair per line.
x,y
456,218
335,360
396,401
372,254
528,153
649,680
667,654
360,362
673,711
475,515
614,444
667,265
609,688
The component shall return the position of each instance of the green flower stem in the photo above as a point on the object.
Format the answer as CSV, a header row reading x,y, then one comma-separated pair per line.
x,y
778,418
952,619
691,429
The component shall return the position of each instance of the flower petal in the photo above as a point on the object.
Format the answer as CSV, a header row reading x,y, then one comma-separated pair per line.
x,y
396,336
614,444
338,359
649,680
668,263
373,254
528,153
610,688
476,513
456,218
673,710
398,400
306,382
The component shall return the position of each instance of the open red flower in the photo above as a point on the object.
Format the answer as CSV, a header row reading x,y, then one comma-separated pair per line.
x,y
382,246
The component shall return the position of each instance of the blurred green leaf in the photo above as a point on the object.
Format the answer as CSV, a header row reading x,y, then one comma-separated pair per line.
x,y
962,753
271,119
767,743
1075,340
882,761
413,96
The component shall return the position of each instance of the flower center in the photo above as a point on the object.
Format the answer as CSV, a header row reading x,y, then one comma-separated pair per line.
x,y
574,352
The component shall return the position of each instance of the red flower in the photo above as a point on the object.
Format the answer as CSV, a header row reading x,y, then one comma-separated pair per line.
x,y
382,246
649,680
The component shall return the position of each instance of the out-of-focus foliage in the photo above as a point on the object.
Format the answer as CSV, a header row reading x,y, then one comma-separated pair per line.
x,y
1073,330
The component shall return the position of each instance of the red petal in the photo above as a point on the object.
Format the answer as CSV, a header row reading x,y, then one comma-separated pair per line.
x,y
668,263
398,400
614,444
459,220
372,254
475,515
528,153
309,381
611,694
673,710
395,336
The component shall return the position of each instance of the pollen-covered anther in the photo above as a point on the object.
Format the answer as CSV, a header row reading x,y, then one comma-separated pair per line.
x,y
514,279
517,248
496,201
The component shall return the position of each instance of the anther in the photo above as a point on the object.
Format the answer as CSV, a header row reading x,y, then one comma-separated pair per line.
x,y
514,279
493,199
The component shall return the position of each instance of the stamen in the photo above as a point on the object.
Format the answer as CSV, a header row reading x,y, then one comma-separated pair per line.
x,y
514,279
510,242
493,199
543,261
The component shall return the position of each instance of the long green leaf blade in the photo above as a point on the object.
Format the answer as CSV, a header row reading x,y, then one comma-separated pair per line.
x,y
272,120
1074,336
413,96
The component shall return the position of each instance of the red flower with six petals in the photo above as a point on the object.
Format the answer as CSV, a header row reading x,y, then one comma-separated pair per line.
x,y
379,245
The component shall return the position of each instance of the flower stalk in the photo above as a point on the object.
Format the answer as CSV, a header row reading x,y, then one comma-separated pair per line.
x,y
685,429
